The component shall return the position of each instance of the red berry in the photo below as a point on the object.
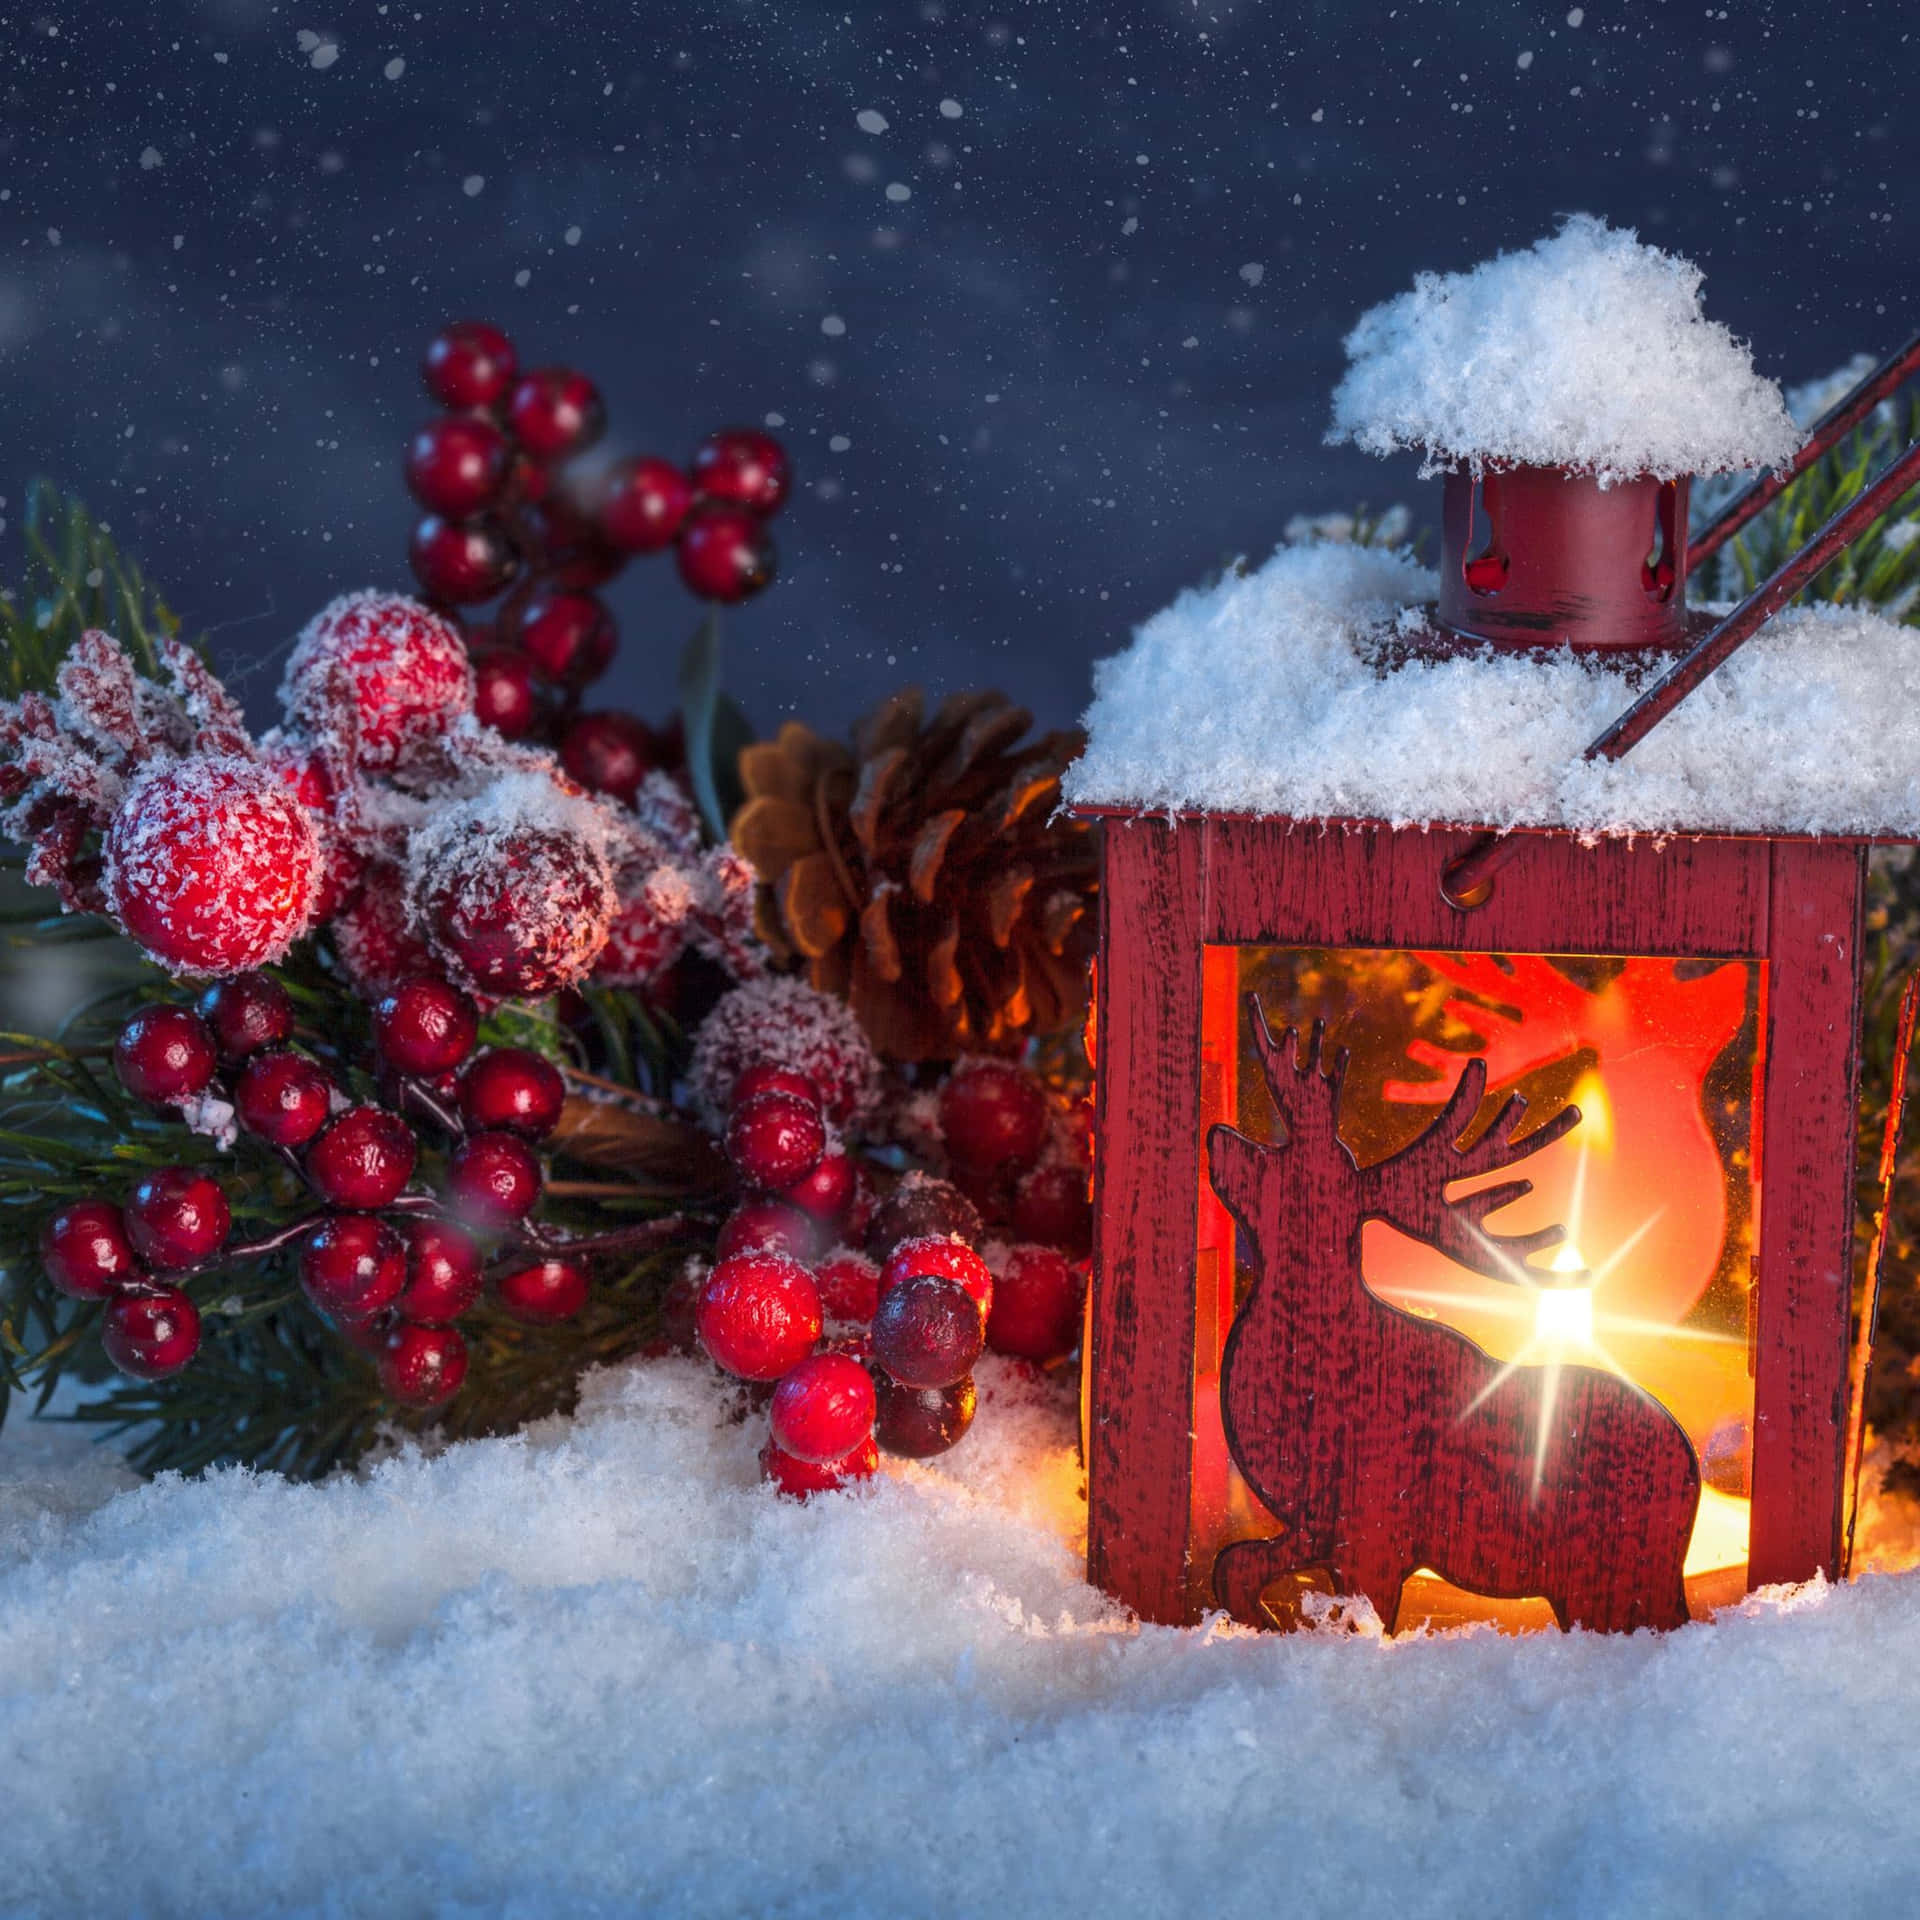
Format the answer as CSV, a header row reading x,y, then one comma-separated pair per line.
x,y
646,937
212,865
469,364
379,678
743,467
151,1333
247,1013
759,1315
642,503
927,1331
569,637
372,937
177,1217
921,1205
823,1409
165,1054
765,1078
514,1089
426,1026
422,1366
85,1250
768,1223
775,1139
555,412
283,1098
678,1306
364,1159
798,1478
503,692
544,1293
462,561
443,1273
494,1179
352,1265
994,1116
512,910
1037,1302
829,1190
724,554
849,1286
457,466
940,1253
1051,1206
609,753
919,1422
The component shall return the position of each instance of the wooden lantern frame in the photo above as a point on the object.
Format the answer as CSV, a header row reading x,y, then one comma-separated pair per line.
x,y
1172,887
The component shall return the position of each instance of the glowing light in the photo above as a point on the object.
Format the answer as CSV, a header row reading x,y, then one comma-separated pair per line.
x,y
1563,1315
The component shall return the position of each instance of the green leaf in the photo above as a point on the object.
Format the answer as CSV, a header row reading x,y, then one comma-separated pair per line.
x,y
708,735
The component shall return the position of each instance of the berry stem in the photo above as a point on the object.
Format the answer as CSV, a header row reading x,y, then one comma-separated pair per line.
x,y
634,1239
428,1103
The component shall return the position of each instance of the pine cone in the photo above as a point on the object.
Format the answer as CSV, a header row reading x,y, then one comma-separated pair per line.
x,y
922,876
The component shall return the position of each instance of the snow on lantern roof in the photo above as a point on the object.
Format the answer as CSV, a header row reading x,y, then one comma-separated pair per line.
x,y
1588,351
1264,694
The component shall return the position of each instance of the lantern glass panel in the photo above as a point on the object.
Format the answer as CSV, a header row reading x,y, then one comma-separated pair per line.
x,y
1655,1188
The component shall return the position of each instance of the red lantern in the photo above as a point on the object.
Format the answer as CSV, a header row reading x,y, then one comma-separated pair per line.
x,y
1474,1215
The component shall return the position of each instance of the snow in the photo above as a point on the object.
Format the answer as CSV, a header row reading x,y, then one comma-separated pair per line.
x,y
1588,350
601,1670
1260,694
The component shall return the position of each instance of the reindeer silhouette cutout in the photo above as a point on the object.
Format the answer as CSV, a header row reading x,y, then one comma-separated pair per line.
x,y
1383,1442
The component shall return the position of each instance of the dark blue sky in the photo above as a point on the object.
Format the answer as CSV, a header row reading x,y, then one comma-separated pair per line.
x,y
1053,343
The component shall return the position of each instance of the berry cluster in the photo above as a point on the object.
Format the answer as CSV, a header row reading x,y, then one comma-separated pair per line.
x,y
511,511
391,1266
867,1316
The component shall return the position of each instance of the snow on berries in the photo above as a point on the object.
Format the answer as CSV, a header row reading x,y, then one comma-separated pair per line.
x,y
784,1022
377,678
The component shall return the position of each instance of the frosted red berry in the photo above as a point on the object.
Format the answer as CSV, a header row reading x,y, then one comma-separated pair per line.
x,y
775,1139
494,1179
462,561
762,1222
764,1078
514,1089
993,1117
371,935
165,1054
1050,1206
921,1205
212,866
469,364
282,1098
927,1331
352,1265
379,677
744,468
85,1250
797,1478
544,1293
151,1333
829,1190
940,1254
422,1367
916,1423
247,1013
569,637
504,697
1037,1303
177,1217
759,1315
642,503
425,1026
724,554
849,1286
823,1409
363,1159
523,910
457,466
443,1273
608,753
555,412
